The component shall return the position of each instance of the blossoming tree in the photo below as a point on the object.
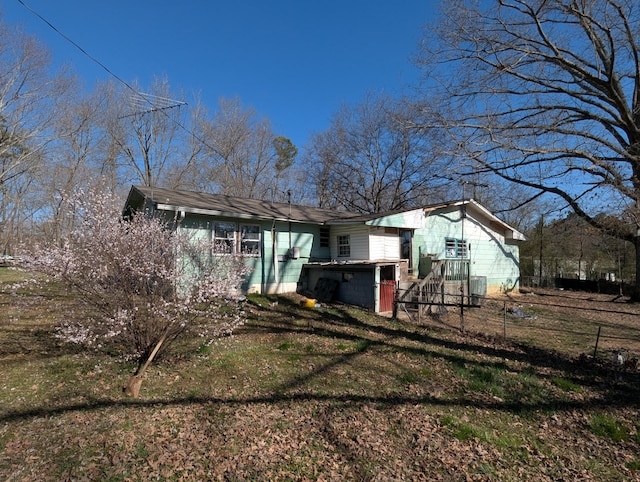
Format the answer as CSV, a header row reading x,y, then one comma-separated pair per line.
x,y
143,282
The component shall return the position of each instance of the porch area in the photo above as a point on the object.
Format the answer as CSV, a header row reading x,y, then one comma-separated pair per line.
x,y
447,282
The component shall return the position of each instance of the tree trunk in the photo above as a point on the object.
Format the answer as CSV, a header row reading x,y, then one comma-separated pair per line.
x,y
135,381
635,296
133,387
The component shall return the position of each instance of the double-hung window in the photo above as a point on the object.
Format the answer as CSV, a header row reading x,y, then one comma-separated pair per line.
x,y
344,245
455,248
233,238
224,237
249,239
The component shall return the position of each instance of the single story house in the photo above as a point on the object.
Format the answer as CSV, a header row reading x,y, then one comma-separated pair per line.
x,y
349,257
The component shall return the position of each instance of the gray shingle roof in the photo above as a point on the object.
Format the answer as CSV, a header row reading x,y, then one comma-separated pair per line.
x,y
231,206
237,207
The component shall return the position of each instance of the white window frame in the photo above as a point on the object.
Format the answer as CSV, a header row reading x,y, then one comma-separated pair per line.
x,y
343,243
245,238
224,237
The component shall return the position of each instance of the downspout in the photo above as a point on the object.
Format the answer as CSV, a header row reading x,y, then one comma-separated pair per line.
x,y
274,251
289,195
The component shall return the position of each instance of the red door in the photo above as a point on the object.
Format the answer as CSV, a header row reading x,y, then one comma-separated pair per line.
x,y
387,295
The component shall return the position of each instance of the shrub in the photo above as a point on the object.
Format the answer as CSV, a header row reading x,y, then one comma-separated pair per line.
x,y
143,281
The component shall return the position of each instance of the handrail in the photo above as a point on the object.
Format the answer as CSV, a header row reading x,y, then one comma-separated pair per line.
x,y
434,278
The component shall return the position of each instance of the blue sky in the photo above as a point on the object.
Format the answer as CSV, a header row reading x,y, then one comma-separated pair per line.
x,y
295,62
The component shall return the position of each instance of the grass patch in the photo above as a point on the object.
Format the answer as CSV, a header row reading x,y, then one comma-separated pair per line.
x,y
409,377
10,275
606,426
566,385
362,345
466,431
463,431
633,465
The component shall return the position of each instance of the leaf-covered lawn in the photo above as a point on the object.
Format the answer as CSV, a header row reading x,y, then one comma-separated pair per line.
x,y
334,393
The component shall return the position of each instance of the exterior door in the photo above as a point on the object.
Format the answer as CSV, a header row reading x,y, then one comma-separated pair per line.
x,y
406,246
387,295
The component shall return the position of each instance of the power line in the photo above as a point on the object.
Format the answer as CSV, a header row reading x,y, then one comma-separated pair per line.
x,y
70,40
136,95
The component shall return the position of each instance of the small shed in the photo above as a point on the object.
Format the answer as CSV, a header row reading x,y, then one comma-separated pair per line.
x,y
369,284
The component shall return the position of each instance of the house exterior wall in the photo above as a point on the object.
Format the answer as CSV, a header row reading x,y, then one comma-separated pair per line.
x,y
359,242
367,243
384,243
274,270
281,268
490,254
413,219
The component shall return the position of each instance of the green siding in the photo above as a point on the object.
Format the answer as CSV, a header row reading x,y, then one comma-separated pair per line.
x,y
489,255
267,274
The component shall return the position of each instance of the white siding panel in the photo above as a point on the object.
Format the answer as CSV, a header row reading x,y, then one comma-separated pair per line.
x,y
359,241
384,245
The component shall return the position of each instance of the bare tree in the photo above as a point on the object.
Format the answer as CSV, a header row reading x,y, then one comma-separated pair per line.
x,y
372,159
243,155
74,162
241,152
29,100
150,134
546,94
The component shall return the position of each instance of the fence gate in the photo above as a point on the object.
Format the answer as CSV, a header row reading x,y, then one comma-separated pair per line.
x,y
387,295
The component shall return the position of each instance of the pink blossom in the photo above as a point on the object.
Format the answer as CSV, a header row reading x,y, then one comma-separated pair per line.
x,y
140,279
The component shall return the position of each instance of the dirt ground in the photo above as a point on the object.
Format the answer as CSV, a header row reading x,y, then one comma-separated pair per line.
x,y
570,322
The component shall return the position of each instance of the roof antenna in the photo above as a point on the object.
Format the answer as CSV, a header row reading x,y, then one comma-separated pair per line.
x,y
142,103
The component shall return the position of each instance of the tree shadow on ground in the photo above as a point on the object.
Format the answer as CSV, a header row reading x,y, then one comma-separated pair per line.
x,y
389,401
613,389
